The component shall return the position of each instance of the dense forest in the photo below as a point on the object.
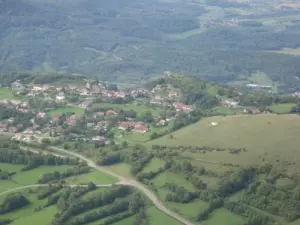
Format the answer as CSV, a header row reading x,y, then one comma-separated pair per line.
x,y
121,41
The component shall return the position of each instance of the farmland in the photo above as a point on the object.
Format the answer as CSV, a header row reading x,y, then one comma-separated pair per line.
x,y
242,132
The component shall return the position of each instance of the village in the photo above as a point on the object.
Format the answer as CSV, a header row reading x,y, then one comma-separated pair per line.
x,y
93,112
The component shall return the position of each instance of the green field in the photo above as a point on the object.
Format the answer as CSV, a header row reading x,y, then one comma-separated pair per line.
x,y
43,217
6,93
156,217
261,78
10,167
189,210
153,165
140,108
59,111
226,111
32,176
185,34
224,217
170,177
6,185
278,132
121,168
96,177
282,108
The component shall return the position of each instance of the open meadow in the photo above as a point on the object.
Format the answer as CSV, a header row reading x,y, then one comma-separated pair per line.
x,y
6,93
265,138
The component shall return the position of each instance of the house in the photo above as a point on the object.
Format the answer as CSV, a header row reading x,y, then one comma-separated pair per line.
x,y
183,107
141,128
15,102
60,96
230,103
172,94
98,114
98,138
17,137
41,114
3,127
85,104
155,101
135,126
111,112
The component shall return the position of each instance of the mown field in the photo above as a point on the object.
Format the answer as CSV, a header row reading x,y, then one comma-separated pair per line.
x,y
265,137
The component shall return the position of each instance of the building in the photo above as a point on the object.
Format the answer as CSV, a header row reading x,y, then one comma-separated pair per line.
x,y
183,107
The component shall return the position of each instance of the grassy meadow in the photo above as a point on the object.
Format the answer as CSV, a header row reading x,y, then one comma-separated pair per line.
x,y
6,93
96,177
282,108
265,137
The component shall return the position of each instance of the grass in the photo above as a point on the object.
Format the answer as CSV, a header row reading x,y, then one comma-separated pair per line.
x,y
60,111
154,165
224,217
261,78
10,167
140,108
156,217
282,108
185,34
189,210
43,217
96,177
170,177
121,168
32,176
280,135
6,93
220,110
6,185
127,221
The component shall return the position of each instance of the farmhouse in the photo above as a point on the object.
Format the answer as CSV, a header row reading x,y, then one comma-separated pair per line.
x,y
230,103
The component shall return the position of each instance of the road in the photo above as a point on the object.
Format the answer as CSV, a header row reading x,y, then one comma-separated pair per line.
x,y
130,182
47,185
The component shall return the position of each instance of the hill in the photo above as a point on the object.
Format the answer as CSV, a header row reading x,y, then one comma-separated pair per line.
x,y
267,137
133,41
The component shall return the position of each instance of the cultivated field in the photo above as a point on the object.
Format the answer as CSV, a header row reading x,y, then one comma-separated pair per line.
x,y
265,137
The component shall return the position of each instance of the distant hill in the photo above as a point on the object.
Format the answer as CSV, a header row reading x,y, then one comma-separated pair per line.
x,y
133,41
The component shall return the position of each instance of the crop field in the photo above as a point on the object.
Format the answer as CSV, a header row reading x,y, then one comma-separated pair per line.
x,y
282,108
59,111
96,177
6,93
265,137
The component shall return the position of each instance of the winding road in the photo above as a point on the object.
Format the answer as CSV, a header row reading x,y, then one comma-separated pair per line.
x,y
130,182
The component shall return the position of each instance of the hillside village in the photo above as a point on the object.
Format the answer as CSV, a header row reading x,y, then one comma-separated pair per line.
x,y
96,112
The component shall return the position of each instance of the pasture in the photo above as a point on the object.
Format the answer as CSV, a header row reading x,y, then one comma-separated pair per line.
x,y
32,176
6,93
96,177
65,110
154,165
282,108
224,217
265,137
